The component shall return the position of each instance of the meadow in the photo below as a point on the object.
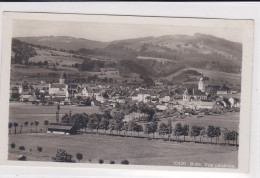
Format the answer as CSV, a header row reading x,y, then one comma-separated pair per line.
x,y
137,151
21,112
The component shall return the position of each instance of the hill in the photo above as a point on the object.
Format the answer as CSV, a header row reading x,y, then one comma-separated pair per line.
x,y
63,42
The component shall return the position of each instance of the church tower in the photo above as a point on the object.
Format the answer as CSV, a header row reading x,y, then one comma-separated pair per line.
x,y
201,84
62,78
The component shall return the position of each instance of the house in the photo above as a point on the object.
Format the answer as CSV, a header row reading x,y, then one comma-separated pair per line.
x,y
59,89
234,102
25,89
42,87
87,92
142,97
222,92
27,98
121,99
161,107
62,128
191,95
203,105
74,89
165,99
100,98
14,90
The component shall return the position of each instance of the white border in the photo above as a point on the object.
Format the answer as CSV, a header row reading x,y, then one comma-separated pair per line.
x,y
212,10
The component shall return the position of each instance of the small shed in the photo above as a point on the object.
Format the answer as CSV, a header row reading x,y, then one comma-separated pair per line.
x,y
62,128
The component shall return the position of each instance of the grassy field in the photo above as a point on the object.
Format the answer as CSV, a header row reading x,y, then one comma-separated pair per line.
x,y
21,112
135,150
229,120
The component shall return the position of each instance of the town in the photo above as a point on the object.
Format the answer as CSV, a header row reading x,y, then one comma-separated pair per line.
x,y
125,99
191,101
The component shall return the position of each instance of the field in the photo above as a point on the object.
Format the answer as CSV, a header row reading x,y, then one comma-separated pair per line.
x,y
140,151
136,151
21,112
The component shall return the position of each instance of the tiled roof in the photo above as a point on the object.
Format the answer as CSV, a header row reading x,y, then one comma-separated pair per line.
x,y
58,85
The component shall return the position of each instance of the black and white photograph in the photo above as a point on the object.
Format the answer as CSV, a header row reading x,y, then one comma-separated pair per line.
x,y
127,90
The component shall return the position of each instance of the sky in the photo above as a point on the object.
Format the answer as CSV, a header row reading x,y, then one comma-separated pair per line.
x,y
107,32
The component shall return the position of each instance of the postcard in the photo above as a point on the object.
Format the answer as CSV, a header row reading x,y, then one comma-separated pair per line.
x,y
126,91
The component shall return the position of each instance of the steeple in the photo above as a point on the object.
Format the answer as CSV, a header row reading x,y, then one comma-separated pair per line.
x,y
62,78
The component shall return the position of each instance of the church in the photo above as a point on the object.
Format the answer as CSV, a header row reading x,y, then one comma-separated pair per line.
x,y
59,89
196,94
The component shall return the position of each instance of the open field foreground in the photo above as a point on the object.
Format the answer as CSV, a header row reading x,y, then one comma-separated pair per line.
x,y
137,151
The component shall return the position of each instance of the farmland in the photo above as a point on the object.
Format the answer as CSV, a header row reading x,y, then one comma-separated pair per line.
x,y
116,148
136,151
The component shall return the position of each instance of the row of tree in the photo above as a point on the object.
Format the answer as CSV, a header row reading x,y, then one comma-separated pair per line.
x,y
26,123
116,123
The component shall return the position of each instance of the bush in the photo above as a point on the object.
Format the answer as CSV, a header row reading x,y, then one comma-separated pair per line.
x,y
112,162
21,148
39,148
12,145
125,162
100,161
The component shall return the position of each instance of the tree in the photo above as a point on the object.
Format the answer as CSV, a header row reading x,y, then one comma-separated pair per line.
x,y
217,133
195,131
21,128
125,127
97,121
233,136
39,149
31,123
125,162
21,148
112,162
202,133
91,124
211,132
169,128
36,123
147,129
138,128
104,124
154,126
112,125
26,124
10,125
162,129
177,131
12,145
66,118
100,161
79,156
118,117
57,113
130,126
185,131
46,123
226,135
15,125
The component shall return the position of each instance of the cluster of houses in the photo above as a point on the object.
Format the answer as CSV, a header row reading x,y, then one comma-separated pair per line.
x,y
195,98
